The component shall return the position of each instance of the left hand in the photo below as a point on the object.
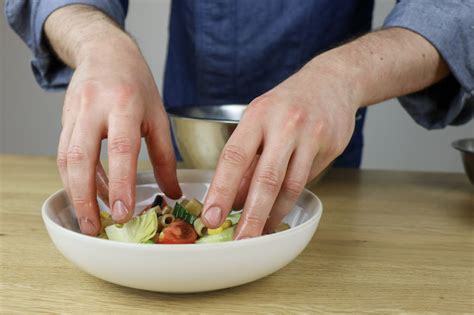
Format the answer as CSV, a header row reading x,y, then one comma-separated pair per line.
x,y
286,137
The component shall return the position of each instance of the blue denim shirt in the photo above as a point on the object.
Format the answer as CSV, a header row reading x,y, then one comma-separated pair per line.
x,y
228,51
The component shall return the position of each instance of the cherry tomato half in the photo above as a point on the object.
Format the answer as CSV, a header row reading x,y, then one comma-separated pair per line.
x,y
178,232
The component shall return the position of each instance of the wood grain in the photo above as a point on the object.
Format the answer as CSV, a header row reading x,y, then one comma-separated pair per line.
x,y
388,242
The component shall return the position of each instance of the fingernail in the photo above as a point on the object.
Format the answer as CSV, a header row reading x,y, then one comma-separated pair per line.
x,y
119,211
213,216
87,227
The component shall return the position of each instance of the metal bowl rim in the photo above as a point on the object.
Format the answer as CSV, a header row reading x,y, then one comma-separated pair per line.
x,y
214,120
457,145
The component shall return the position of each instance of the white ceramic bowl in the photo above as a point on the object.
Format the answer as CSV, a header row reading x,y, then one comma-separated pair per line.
x,y
180,268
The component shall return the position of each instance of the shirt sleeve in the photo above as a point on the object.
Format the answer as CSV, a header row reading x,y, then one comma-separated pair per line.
x,y
449,26
27,17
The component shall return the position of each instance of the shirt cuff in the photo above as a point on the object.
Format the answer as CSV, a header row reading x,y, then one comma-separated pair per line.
x,y
448,26
50,72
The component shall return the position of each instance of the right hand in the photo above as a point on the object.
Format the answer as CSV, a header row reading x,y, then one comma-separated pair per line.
x,y
112,95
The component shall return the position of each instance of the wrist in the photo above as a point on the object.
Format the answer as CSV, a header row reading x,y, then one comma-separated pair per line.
x,y
77,31
105,46
340,74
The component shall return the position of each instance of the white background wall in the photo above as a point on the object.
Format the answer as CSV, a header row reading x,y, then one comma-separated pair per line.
x,y
30,118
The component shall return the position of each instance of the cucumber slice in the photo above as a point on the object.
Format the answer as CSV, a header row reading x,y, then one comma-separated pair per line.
x,y
180,212
224,236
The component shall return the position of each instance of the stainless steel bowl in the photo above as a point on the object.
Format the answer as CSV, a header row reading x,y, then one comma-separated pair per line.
x,y
466,146
202,131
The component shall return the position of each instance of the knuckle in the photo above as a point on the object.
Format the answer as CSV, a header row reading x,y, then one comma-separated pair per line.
x,y
120,145
124,90
61,159
120,94
293,188
318,129
233,155
123,95
258,105
254,221
297,115
76,154
117,184
269,179
80,202
86,95
87,91
222,191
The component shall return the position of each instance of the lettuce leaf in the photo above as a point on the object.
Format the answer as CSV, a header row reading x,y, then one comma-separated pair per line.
x,y
234,218
138,230
105,221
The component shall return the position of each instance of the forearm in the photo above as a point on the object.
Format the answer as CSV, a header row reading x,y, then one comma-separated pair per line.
x,y
76,30
383,65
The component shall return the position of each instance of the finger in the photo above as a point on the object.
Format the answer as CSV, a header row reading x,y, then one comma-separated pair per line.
x,y
82,158
266,183
245,185
161,152
234,161
102,184
61,159
123,147
67,122
292,186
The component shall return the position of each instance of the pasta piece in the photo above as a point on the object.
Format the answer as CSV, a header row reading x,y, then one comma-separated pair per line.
x,y
184,202
167,210
199,227
225,225
165,220
194,207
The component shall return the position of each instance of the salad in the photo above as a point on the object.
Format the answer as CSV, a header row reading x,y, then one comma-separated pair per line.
x,y
161,224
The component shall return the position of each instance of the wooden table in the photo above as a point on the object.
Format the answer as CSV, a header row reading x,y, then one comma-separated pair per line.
x,y
388,242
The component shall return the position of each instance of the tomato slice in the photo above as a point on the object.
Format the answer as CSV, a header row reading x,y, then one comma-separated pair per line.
x,y
178,232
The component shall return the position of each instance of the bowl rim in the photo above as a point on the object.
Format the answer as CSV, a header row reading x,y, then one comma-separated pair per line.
x,y
457,145
178,247
211,120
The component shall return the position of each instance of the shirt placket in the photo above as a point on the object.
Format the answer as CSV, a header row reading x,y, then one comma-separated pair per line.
x,y
215,50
